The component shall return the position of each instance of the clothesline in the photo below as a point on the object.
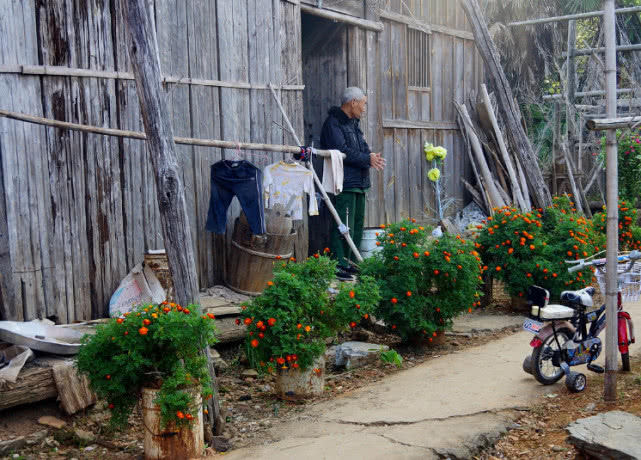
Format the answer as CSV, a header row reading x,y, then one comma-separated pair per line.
x,y
142,136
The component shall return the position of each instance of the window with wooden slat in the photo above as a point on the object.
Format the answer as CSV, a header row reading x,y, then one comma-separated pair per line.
x,y
418,54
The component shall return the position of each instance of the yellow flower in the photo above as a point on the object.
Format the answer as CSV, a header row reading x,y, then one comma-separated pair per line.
x,y
429,151
440,153
434,174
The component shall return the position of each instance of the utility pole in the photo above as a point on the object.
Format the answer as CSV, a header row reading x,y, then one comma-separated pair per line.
x,y
143,53
612,191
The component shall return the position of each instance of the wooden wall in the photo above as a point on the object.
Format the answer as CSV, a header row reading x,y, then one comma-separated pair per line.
x,y
81,209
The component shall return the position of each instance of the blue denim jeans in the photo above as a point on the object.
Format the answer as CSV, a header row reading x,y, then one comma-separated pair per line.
x,y
243,180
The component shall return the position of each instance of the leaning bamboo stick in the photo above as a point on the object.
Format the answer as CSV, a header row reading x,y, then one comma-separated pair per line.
x,y
342,228
578,202
503,150
477,149
141,136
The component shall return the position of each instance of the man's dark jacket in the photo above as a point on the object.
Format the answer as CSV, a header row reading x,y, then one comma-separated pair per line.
x,y
343,133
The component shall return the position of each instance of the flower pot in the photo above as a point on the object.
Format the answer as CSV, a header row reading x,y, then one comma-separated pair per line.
x,y
171,442
520,305
423,340
294,383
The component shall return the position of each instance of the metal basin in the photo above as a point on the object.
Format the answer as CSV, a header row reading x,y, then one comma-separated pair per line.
x,y
41,337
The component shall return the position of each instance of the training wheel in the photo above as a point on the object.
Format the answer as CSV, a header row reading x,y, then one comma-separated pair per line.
x,y
575,381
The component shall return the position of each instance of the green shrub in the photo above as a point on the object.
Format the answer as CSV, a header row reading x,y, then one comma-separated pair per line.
x,y
524,249
424,283
287,325
629,163
156,347
629,233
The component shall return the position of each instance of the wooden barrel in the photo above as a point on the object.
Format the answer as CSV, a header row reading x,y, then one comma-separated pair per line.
x,y
171,442
251,258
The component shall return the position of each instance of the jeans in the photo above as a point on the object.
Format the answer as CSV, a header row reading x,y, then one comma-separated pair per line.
x,y
355,202
243,180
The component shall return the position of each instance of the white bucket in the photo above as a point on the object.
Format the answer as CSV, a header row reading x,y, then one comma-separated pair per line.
x,y
368,244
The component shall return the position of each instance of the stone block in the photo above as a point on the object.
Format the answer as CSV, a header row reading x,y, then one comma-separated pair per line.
x,y
357,354
610,435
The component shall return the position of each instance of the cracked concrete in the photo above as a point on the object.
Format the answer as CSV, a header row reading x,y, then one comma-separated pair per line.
x,y
448,407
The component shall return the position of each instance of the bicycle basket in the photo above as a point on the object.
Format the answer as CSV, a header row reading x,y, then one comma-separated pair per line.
x,y
630,282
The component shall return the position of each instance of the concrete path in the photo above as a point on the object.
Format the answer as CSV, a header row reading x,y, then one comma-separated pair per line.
x,y
448,407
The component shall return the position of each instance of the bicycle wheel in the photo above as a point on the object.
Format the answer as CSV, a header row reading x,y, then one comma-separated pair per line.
x,y
543,369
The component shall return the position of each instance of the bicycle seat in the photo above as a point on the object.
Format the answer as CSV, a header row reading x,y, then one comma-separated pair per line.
x,y
581,297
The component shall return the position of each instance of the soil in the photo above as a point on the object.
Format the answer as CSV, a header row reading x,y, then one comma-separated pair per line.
x,y
249,404
539,432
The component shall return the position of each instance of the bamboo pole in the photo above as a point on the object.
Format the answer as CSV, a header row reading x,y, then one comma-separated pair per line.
x,y
142,136
494,194
611,123
609,31
593,14
589,51
588,93
578,202
342,228
62,71
504,153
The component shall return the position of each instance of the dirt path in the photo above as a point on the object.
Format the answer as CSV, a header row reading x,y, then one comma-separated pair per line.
x,y
448,407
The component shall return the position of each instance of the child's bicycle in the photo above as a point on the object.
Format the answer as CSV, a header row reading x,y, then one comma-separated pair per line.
x,y
562,336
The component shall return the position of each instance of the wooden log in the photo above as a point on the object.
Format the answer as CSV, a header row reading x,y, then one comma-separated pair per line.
x,y
503,150
143,52
476,196
468,148
603,124
73,389
495,197
34,384
510,112
142,136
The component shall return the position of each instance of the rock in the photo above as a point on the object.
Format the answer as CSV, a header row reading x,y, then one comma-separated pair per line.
x,y
249,373
36,437
12,444
220,444
85,436
330,353
558,448
357,354
53,422
590,407
219,363
612,434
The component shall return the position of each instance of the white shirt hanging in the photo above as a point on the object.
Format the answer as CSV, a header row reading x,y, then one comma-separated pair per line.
x,y
282,181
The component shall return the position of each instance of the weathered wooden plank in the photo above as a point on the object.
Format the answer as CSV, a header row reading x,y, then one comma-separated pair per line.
x,y
375,208
438,77
399,71
205,123
401,166
447,81
415,160
408,124
389,176
350,7
73,389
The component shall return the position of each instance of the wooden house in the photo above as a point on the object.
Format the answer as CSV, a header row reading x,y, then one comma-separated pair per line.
x,y
78,210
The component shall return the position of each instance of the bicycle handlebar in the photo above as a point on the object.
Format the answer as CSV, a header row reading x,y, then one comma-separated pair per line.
x,y
580,264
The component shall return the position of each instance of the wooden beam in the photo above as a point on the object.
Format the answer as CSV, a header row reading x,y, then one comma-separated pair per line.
x,y
61,71
142,136
410,21
601,124
593,14
340,17
409,124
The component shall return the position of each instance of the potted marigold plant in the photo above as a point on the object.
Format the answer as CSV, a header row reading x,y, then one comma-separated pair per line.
x,y
525,249
287,325
424,282
154,353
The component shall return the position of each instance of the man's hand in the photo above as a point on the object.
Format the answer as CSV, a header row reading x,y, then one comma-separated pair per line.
x,y
377,161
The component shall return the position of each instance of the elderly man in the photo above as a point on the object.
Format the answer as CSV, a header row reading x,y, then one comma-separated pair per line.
x,y
341,131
